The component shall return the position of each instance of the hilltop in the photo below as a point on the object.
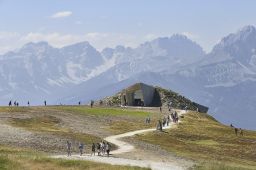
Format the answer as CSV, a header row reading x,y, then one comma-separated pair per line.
x,y
160,98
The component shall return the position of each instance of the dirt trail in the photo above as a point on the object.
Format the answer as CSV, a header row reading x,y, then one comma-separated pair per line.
x,y
124,147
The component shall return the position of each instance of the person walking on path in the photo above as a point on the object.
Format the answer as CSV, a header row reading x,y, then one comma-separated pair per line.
x,y
98,148
168,120
108,148
159,125
81,148
10,103
104,147
93,149
69,148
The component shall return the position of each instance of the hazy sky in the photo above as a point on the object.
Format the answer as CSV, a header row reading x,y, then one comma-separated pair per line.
x,y
128,22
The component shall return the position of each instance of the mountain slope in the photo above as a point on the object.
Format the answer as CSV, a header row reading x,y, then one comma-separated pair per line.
x,y
38,70
222,80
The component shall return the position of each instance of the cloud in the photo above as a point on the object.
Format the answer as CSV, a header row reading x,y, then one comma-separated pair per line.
x,y
150,37
55,39
61,14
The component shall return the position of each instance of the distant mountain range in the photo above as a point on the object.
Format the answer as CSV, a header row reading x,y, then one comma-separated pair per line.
x,y
224,79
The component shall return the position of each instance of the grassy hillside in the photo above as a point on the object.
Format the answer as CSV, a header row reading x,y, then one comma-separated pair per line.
x,y
61,123
119,120
212,145
198,137
23,159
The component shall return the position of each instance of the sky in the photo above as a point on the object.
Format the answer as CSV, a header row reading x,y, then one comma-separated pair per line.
x,y
107,23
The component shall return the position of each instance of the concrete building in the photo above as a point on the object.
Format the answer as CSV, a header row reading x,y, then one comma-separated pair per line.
x,y
140,94
201,108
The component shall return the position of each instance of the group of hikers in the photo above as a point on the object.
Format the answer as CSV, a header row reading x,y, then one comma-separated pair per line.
x,y
166,120
237,130
15,103
102,148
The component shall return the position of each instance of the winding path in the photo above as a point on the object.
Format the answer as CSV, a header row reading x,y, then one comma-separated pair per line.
x,y
124,147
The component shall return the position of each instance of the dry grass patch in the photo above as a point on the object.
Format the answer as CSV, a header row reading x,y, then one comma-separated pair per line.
x,y
101,111
43,123
51,124
24,159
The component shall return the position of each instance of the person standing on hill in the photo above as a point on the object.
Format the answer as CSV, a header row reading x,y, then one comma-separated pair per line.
x,y
28,103
175,117
45,102
10,103
236,130
186,108
241,132
92,102
148,120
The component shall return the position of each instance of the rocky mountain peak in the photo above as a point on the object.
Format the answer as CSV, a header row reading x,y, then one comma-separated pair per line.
x,y
36,45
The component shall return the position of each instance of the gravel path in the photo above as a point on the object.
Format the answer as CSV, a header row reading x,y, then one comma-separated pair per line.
x,y
124,147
